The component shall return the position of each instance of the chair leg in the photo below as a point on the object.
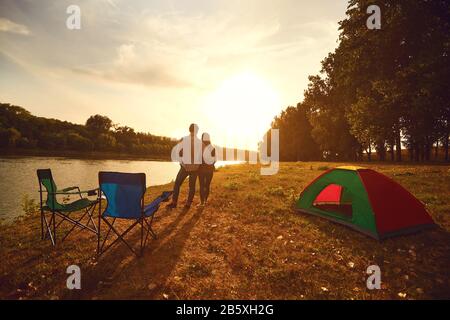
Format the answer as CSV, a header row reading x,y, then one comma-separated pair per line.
x,y
42,224
108,232
150,229
142,236
107,235
153,233
90,214
88,211
54,227
73,227
119,237
99,234
48,226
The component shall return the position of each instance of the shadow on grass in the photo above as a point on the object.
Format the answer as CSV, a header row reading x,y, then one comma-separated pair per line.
x,y
142,277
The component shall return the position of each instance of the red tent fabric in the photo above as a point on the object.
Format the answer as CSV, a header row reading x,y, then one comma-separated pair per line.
x,y
331,194
365,200
394,207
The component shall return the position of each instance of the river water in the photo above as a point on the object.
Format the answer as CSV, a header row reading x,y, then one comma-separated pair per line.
x,y
18,178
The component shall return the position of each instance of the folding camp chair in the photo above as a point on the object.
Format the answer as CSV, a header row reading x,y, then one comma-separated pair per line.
x,y
63,210
124,194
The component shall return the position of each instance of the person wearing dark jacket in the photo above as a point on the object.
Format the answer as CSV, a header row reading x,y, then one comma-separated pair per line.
x,y
206,170
189,149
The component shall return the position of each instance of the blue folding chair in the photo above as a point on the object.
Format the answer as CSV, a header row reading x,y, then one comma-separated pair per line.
x,y
124,194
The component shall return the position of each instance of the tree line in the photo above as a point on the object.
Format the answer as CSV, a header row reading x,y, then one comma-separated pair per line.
x,y
383,92
19,129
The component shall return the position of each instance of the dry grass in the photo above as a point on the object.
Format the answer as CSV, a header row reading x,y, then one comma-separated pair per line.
x,y
247,243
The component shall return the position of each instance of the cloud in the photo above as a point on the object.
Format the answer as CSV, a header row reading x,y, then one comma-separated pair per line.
x,y
128,67
7,25
151,76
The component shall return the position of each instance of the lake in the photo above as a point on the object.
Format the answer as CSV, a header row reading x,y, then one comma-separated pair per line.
x,y
18,177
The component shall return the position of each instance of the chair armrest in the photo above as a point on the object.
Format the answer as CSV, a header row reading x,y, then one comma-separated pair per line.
x,y
91,192
69,189
152,207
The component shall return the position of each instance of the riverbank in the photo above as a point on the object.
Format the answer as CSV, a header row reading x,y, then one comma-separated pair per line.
x,y
247,243
94,155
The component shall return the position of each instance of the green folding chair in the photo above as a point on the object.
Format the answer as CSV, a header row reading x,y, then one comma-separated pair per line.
x,y
63,210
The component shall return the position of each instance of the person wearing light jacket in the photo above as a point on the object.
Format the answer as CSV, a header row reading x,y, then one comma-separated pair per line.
x,y
190,151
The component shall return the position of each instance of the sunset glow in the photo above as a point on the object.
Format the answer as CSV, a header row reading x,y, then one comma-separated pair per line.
x,y
156,67
240,110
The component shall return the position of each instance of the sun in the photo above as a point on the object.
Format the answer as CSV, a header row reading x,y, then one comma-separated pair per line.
x,y
239,111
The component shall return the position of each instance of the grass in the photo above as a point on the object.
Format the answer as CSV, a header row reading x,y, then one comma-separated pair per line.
x,y
247,243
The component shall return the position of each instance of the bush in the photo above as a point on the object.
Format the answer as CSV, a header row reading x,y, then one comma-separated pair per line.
x,y
276,191
52,141
77,142
9,137
232,185
23,142
106,142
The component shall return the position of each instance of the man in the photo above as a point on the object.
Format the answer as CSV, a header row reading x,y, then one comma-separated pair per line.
x,y
190,151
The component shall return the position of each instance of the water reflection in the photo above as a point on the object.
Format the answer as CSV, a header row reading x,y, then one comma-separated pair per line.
x,y
18,176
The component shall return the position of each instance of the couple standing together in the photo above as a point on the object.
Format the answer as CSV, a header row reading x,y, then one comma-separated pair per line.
x,y
197,158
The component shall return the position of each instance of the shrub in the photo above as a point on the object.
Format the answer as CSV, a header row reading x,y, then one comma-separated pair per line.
x,y
231,185
78,142
276,191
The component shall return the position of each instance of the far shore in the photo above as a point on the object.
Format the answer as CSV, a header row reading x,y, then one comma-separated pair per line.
x,y
95,155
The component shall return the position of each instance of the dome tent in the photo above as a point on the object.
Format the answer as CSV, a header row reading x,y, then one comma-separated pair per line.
x,y
365,200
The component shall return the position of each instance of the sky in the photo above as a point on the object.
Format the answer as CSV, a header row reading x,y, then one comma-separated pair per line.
x,y
157,66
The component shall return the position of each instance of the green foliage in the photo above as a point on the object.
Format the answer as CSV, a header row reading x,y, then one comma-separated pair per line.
x,y
105,141
381,89
254,177
98,123
231,185
77,142
296,143
9,137
29,206
20,129
276,191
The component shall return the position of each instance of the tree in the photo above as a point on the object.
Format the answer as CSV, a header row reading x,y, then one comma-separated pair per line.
x,y
99,124
106,142
9,137
20,129
387,87
296,143
78,142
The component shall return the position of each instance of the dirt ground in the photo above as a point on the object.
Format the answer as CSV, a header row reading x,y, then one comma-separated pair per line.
x,y
247,243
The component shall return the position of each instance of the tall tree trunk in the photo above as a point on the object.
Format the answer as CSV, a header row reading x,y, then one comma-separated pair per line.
x,y
446,137
369,153
381,150
436,151
391,150
398,146
427,149
416,152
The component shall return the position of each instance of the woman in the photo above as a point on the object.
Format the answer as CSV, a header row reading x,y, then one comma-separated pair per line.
x,y
206,170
